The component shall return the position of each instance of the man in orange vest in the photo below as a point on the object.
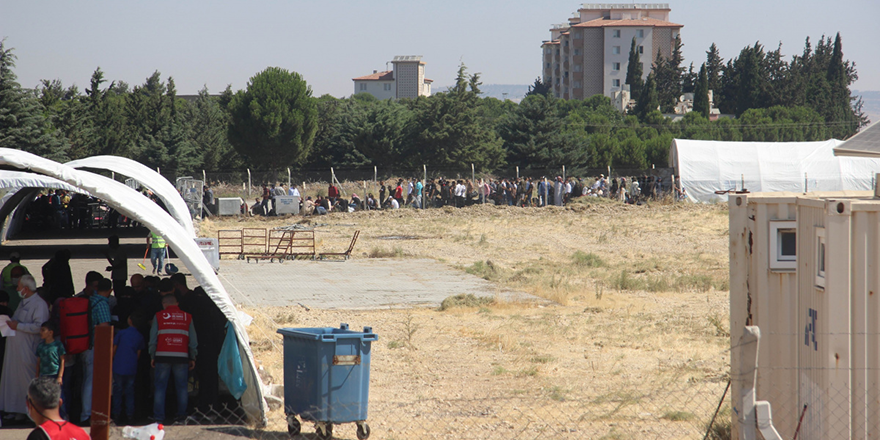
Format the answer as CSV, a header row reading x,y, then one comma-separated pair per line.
x,y
173,350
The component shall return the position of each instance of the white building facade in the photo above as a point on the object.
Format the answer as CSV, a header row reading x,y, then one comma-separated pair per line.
x,y
405,80
589,54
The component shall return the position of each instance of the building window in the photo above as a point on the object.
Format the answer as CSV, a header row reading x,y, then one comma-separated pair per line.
x,y
387,87
557,66
615,82
640,33
557,52
577,67
820,257
548,65
615,66
548,51
783,245
615,33
566,74
363,86
577,35
557,80
577,51
641,49
576,85
615,50
566,43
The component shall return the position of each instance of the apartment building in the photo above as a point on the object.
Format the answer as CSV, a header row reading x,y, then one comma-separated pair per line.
x,y
589,54
405,80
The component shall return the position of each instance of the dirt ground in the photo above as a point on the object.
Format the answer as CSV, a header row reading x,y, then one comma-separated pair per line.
x,y
630,344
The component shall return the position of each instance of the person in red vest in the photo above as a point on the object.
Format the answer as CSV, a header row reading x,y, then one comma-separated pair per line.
x,y
173,350
43,401
332,193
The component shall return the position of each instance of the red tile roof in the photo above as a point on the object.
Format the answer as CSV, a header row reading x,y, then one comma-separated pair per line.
x,y
429,80
640,22
387,75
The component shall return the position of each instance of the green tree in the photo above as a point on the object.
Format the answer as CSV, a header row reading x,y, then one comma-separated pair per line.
x,y
535,136
714,69
449,132
668,76
372,134
701,93
206,124
273,122
650,100
634,71
22,124
539,88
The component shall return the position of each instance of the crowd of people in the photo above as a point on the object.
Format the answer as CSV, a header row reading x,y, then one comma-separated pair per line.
x,y
166,345
436,193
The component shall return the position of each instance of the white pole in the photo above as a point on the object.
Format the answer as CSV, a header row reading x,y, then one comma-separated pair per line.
x,y
806,184
563,173
375,174
517,172
113,175
609,171
472,173
288,178
249,183
204,176
157,170
332,175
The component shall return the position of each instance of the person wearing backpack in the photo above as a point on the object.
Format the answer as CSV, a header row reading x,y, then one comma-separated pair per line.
x,y
99,313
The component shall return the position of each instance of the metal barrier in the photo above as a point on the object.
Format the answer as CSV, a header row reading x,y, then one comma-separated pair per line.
x,y
230,242
254,241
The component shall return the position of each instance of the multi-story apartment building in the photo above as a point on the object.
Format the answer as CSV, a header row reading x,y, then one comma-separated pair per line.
x,y
405,80
589,54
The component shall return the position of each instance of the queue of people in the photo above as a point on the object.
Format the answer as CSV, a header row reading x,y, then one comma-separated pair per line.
x,y
167,340
437,193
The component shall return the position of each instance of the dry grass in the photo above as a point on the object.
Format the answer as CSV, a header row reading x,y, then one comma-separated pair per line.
x,y
639,296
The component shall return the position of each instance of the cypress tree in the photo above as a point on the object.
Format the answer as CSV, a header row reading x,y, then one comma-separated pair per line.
x,y
634,71
701,93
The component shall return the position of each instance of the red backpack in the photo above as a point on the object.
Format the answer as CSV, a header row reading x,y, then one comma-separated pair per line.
x,y
74,324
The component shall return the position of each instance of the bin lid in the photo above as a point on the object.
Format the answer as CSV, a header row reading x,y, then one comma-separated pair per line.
x,y
328,334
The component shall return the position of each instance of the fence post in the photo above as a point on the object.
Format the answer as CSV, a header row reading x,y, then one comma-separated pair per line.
x,y
517,172
375,174
288,177
249,182
204,176
424,184
563,173
472,173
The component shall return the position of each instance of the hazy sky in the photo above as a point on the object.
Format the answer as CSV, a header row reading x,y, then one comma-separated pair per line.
x,y
219,42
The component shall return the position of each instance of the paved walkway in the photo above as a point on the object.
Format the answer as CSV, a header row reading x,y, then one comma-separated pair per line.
x,y
353,284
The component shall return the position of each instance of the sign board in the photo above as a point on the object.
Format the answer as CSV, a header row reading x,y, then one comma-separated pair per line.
x,y
286,205
209,248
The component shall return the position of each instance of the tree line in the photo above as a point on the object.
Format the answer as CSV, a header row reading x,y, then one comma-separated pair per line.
x,y
275,122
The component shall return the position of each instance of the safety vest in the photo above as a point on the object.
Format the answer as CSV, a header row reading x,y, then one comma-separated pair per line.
x,y
156,241
173,335
63,430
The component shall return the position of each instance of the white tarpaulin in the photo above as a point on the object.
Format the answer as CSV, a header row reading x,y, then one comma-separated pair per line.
x,y
705,167
130,203
148,178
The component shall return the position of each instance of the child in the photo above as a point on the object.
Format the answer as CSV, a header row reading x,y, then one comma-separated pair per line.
x,y
127,347
50,353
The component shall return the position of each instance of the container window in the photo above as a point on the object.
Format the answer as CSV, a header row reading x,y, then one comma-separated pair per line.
x,y
783,245
820,257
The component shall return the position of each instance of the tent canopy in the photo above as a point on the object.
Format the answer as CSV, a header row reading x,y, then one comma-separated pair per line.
x,y
132,204
150,179
705,167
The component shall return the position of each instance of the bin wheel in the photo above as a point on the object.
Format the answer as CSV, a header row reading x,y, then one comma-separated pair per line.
x,y
326,433
293,425
363,431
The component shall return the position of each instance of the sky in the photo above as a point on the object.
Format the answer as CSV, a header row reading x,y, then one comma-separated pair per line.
x,y
216,43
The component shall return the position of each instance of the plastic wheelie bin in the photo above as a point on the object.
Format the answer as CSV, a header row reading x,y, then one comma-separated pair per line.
x,y
327,378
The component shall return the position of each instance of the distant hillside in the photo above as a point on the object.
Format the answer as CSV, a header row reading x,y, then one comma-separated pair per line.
x,y
515,92
871,98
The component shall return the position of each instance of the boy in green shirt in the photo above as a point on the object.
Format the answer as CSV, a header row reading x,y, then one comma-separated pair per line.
x,y
50,353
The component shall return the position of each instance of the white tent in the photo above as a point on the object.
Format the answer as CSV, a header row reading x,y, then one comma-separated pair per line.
x,y
148,178
16,181
134,205
705,167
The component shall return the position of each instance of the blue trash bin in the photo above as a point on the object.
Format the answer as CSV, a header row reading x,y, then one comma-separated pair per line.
x,y
327,377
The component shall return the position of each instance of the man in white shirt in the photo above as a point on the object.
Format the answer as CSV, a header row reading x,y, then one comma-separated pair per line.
x,y
293,191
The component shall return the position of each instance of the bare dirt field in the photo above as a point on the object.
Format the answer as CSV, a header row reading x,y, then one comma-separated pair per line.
x,y
630,344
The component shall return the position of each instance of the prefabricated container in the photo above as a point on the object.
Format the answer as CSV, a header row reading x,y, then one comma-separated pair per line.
x,y
229,205
819,356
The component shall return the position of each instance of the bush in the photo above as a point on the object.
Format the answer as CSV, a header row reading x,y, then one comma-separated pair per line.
x,y
469,300
587,260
